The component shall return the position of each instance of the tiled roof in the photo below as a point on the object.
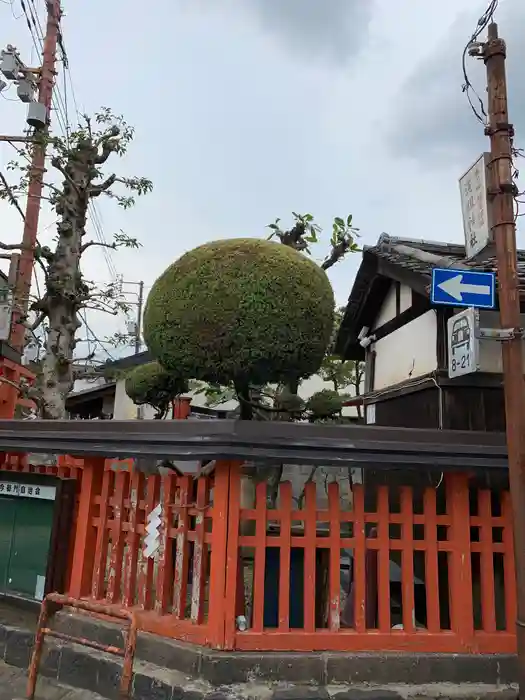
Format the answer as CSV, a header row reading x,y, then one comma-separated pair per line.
x,y
420,256
414,260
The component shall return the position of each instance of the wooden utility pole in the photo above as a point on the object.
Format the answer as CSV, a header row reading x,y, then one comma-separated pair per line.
x,y
501,133
36,177
140,304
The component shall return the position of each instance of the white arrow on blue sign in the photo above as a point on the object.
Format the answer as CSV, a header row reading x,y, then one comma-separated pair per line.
x,y
463,288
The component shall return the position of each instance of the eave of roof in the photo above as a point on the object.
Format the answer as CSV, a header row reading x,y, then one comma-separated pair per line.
x,y
129,361
409,261
89,394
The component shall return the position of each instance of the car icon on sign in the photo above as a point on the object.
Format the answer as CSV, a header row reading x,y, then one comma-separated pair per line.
x,y
460,335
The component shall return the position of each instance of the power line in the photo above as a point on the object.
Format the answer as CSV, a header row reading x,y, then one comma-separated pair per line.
x,y
100,342
479,112
60,105
472,48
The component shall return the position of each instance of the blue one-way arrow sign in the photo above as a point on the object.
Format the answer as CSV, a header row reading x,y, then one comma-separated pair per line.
x,y
463,288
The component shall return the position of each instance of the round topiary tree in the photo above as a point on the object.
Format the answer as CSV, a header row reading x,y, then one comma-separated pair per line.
x,y
246,311
324,404
153,385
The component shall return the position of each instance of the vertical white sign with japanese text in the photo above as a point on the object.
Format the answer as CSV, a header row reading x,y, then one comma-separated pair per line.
x,y
475,208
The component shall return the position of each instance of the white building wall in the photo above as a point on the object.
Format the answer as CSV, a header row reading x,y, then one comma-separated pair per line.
x,y
388,310
407,353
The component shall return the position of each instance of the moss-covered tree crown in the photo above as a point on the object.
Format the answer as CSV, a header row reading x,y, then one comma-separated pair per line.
x,y
244,310
153,385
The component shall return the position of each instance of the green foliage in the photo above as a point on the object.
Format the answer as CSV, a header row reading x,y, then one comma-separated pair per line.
x,y
305,231
341,374
214,394
151,384
242,310
325,403
290,404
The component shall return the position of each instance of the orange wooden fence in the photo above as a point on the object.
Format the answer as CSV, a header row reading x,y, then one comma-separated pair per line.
x,y
396,568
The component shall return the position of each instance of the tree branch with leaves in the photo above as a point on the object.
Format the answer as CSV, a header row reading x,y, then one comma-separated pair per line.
x,y
78,160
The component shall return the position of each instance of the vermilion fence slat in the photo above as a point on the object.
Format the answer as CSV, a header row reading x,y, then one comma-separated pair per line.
x,y
285,511
234,563
509,571
180,577
146,566
488,610
101,550
133,539
383,591
359,576
165,570
460,572
431,560
334,583
407,559
260,557
116,563
199,554
310,536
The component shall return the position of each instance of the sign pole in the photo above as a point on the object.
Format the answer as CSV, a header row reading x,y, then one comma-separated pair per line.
x,y
501,132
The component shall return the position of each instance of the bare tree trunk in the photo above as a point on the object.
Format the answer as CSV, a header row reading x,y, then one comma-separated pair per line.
x,y
57,367
65,290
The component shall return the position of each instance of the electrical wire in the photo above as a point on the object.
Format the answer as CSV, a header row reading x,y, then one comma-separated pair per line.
x,y
60,105
481,115
467,87
100,342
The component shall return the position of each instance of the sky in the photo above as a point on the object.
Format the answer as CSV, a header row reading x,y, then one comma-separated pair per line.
x,y
247,110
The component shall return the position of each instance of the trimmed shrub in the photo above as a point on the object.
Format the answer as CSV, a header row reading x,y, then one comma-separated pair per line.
x,y
153,385
244,310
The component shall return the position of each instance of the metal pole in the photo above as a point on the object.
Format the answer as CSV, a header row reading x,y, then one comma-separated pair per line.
x,y
139,318
503,225
34,195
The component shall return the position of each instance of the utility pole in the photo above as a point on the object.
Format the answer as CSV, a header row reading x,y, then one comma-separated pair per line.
x,y
137,327
36,184
139,317
500,132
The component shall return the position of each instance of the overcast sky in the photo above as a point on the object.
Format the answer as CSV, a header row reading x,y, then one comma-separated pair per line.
x,y
248,109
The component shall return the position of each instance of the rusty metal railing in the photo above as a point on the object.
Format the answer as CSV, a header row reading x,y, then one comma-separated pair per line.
x,y
54,601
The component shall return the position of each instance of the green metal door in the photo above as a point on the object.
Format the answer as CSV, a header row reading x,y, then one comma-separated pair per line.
x,y
7,521
30,547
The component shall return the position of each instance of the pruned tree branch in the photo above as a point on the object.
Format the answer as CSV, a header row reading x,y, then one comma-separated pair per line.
x,y
14,246
38,321
106,145
97,190
56,163
337,253
100,244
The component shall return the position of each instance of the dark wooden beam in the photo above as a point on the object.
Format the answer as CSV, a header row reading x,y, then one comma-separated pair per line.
x,y
442,316
419,306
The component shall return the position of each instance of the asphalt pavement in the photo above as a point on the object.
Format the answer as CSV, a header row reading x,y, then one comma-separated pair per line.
x,y
13,687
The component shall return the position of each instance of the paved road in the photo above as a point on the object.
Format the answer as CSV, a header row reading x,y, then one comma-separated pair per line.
x,y
13,687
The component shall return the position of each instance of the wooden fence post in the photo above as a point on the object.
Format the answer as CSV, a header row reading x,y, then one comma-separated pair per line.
x,y
217,590
234,583
460,569
85,535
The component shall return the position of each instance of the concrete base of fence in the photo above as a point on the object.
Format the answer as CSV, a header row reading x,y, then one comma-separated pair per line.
x,y
167,670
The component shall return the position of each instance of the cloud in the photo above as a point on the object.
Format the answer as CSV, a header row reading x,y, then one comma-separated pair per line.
x,y
332,31
432,120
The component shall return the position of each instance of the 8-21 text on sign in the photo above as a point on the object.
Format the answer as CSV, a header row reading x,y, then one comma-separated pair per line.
x,y
463,343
